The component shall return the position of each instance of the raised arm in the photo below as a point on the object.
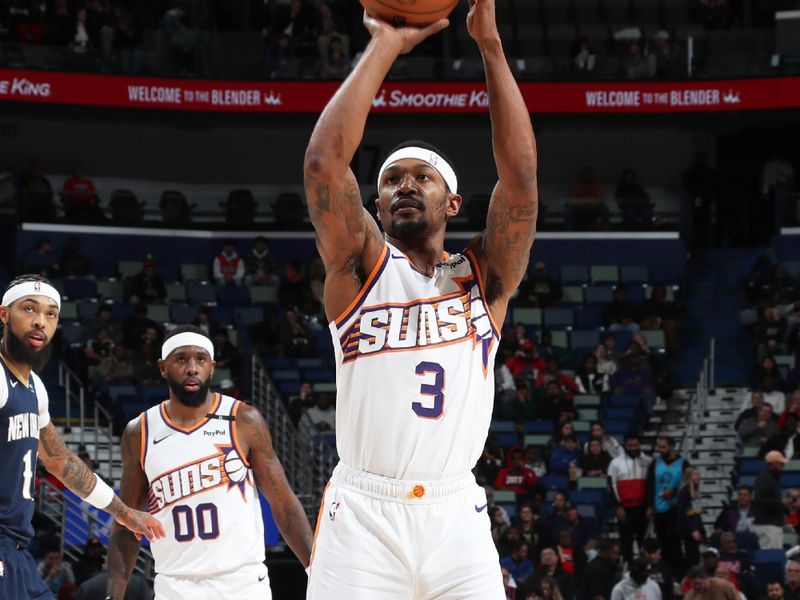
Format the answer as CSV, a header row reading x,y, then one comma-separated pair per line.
x,y
286,508
511,223
73,473
348,238
123,546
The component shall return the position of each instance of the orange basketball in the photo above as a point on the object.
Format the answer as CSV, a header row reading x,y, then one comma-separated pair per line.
x,y
417,13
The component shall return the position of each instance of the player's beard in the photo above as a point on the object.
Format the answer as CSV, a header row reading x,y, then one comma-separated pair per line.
x,y
19,351
190,399
409,229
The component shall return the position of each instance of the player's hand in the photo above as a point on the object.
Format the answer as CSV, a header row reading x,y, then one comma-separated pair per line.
x,y
481,22
141,524
407,37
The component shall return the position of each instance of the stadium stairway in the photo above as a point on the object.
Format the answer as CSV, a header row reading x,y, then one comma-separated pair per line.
x,y
714,298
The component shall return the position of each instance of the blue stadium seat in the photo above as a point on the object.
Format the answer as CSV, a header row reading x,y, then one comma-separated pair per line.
x,y
574,274
222,315
589,317
183,313
558,317
584,339
279,363
790,479
555,482
289,388
669,274
77,289
309,363
635,274
87,309
746,541
750,466
623,338
616,427
153,394
248,315
599,296
596,496
122,310
635,293
168,272
285,375
233,295
623,401
315,375
198,293
538,427
71,332
587,511
502,427
117,390
768,565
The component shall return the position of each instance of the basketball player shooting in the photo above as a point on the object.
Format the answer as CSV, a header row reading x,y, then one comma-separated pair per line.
x,y
415,334
192,460
29,313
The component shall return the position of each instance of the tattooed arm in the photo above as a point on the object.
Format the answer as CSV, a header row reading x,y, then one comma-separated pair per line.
x,y
348,239
504,247
123,546
286,508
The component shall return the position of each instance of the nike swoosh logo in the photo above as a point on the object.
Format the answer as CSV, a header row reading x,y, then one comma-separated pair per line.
x,y
262,578
480,508
155,441
14,383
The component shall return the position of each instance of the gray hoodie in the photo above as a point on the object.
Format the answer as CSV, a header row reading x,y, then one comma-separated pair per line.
x,y
627,589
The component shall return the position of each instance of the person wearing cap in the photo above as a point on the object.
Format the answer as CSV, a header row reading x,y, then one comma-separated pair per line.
x,y
539,290
418,324
228,266
197,461
29,313
637,585
768,515
147,286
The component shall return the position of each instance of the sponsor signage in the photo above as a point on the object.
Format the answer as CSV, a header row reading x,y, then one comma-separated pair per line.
x,y
395,97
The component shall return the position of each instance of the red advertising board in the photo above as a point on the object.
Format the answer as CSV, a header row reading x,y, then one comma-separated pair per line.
x,y
395,97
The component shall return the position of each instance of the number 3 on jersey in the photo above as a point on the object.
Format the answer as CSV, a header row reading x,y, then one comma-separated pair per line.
x,y
436,390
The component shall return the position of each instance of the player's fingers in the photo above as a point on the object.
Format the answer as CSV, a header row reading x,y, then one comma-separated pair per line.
x,y
434,28
158,529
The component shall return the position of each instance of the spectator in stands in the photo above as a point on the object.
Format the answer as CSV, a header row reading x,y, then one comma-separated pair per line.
x,y
98,347
546,589
570,550
590,210
520,408
294,289
73,263
91,561
204,321
228,388
658,570
689,521
539,290
104,318
700,189
54,571
534,461
498,524
771,333
95,588
295,338
526,364
657,312
756,401
81,40
228,266
116,368
605,363
509,584
145,365
768,377
226,355
610,443
530,527
504,385
281,59
788,442
792,587
147,286
552,372
637,583
725,574
334,62
736,561
320,418
36,194
791,506
705,586
260,266
628,473
489,490
596,460
547,349
265,336
128,39
583,55
566,458
589,380
79,196
518,564
634,202
550,567
302,401
134,326
59,24
515,476
26,19
316,282
631,379
670,63
663,482
42,259
737,516
601,573
621,313
508,542
768,515
554,403
775,590
638,63
755,431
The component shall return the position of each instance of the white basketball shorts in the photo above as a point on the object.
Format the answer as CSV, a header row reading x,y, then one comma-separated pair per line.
x,y
388,539
250,581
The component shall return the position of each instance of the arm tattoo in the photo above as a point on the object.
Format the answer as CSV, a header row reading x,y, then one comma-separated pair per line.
x,y
64,464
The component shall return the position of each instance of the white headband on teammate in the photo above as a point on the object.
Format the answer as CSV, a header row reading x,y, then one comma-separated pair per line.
x,y
32,288
425,155
186,338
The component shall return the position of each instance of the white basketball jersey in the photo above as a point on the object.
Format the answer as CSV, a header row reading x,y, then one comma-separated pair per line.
x,y
415,377
203,493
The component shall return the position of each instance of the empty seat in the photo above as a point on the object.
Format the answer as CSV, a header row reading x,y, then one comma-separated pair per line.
x,y
598,296
68,312
233,295
584,339
528,316
289,210
183,313
129,268
558,317
126,209
264,294
111,290
240,208
194,272
198,293
176,291
572,274
608,274
78,289
635,274
654,339
248,315
572,294
158,313
175,209
222,315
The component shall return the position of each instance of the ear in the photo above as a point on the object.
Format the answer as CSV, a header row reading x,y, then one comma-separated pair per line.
x,y
162,367
377,208
4,315
454,202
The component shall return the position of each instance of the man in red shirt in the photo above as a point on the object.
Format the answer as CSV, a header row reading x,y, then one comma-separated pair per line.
x,y
516,476
81,204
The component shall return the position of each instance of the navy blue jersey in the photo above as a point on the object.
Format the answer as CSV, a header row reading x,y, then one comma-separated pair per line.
x,y
23,412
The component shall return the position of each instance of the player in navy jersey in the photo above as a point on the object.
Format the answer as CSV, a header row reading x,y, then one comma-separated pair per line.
x,y
29,314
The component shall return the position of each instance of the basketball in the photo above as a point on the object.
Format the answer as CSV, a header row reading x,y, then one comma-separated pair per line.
x,y
235,467
417,13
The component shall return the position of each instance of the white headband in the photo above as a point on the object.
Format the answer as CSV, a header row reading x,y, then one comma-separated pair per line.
x,y
428,156
32,288
186,338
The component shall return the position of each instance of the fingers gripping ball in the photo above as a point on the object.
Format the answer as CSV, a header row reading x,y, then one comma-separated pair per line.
x,y
235,467
401,13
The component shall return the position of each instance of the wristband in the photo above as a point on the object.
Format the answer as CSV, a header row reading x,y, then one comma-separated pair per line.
x,y
102,495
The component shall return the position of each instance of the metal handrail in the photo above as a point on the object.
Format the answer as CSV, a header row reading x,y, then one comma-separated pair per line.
x,y
75,393
699,402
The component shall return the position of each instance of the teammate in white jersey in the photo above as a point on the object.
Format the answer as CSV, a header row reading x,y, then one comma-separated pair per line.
x,y
415,333
194,461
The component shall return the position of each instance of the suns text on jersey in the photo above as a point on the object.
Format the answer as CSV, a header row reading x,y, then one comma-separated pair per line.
x,y
188,480
422,324
23,426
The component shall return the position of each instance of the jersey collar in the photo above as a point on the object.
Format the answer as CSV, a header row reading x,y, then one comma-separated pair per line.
x,y
17,375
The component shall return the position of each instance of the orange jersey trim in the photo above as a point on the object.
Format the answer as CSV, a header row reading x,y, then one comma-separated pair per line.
x,y
196,426
479,276
235,435
143,438
319,520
